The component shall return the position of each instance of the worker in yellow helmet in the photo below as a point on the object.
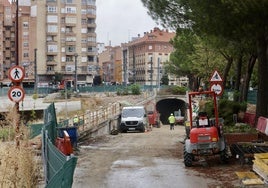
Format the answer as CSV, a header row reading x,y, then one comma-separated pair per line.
x,y
75,120
171,120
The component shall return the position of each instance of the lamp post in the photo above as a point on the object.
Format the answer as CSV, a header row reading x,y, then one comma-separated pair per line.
x,y
75,69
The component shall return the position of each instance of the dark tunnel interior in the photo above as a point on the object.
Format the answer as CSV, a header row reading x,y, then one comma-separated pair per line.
x,y
167,106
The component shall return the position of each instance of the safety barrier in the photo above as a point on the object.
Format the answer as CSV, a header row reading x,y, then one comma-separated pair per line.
x,y
58,168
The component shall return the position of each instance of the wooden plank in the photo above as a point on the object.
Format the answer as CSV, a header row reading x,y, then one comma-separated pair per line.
x,y
260,173
256,181
247,174
261,155
261,165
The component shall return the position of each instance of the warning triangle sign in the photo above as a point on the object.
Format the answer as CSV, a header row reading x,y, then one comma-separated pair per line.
x,y
216,77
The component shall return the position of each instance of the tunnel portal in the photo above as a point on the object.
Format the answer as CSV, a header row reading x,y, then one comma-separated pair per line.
x,y
167,106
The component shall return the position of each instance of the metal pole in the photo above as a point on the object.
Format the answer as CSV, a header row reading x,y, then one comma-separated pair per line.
x,y
151,75
35,72
75,57
158,73
17,61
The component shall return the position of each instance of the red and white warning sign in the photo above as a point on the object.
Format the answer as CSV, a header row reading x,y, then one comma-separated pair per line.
x,y
16,93
16,73
217,88
216,77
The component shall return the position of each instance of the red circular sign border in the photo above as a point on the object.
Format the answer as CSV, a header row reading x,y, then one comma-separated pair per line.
x,y
23,73
16,87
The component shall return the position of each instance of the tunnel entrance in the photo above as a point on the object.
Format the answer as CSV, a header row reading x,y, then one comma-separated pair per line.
x,y
167,106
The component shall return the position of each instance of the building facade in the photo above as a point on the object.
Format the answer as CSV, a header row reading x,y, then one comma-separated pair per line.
x,y
110,61
56,38
67,45
147,56
10,40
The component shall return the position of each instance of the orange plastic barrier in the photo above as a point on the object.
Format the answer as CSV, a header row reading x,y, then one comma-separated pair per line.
x,y
64,144
262,122
249,118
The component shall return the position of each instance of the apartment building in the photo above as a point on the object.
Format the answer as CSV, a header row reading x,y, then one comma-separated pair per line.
x,y
66,42
59,35
26,36
110,61
147,56
139,61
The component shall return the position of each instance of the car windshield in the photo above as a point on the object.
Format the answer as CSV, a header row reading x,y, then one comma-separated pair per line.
x,y
133,112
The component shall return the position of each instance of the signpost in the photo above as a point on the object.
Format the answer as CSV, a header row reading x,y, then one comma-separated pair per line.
x,y
16,93
216,83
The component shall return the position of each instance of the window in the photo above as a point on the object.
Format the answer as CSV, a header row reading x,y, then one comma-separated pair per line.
x,y
90,58
70,20
52,28
52,19
52,48
91,11
71,10
91,39
84,30
50,68
70,39
51,9
69,68
25,25
50,58
25,44
70,49
84,21
25,54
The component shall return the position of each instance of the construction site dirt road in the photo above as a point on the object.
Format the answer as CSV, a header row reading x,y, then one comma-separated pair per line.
x,y
150,159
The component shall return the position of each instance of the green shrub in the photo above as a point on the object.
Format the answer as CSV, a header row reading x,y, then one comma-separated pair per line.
x,y
135,89
226,109
177,90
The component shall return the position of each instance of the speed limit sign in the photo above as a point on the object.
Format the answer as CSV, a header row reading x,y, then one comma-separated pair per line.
x,y
16,93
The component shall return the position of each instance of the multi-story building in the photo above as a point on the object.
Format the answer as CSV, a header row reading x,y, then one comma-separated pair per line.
x,y
147,55
11,38
66,44
59,35
140,61
110,61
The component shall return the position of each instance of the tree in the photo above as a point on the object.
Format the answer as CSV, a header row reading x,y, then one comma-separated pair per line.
x,y
237,21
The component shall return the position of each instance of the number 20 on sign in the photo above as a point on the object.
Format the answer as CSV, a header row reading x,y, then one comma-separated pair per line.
x,y
16,93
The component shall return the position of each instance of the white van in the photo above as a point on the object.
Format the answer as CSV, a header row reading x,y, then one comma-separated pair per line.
x,y
133,118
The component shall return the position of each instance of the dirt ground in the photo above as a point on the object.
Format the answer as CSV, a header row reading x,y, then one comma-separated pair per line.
x,y
157,155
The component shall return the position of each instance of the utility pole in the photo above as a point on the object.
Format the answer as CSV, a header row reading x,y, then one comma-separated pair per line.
x,y
75,61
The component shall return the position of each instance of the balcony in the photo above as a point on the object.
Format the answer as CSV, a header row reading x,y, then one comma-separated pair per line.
x,y
70,43
51,33
51,53
51,62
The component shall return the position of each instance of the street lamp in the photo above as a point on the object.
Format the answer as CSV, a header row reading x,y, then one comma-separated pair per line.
x,y
75,69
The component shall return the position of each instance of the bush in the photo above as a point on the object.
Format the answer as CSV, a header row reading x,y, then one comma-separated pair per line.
x,y
226,109
177,90
135,89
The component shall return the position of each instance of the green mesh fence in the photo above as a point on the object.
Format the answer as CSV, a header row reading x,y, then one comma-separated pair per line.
x,y
59,169
35,130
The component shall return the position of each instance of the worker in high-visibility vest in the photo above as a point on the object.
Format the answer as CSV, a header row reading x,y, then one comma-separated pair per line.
x,y
171,120
75,120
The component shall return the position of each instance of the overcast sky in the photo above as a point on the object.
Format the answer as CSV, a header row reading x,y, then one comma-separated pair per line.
x,y
120,20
